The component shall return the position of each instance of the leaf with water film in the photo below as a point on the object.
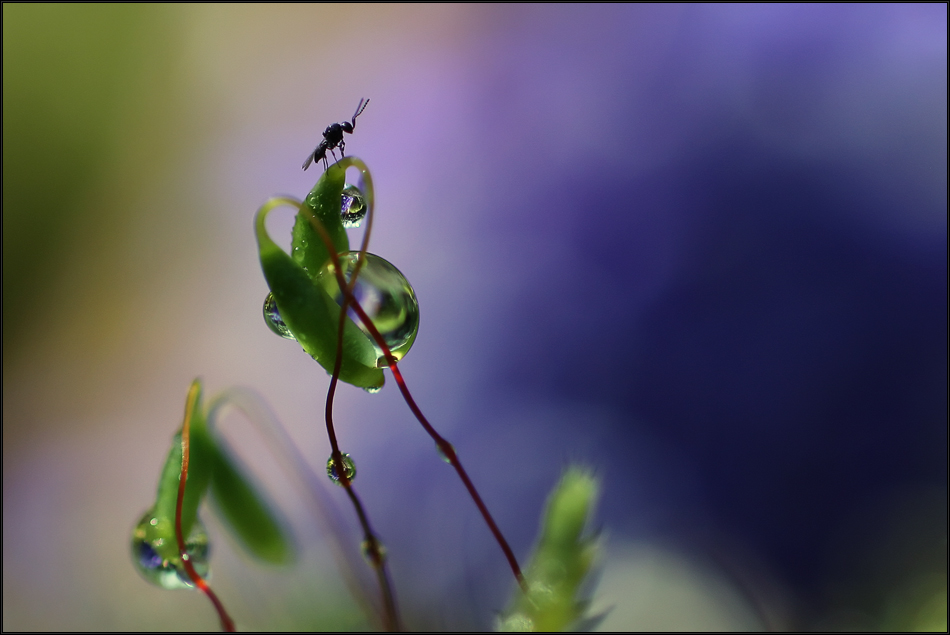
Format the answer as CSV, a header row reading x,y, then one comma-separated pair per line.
x,y
324,203
309,313
561,560
295,311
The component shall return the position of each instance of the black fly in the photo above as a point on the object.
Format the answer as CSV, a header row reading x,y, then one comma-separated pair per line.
x,y
333,138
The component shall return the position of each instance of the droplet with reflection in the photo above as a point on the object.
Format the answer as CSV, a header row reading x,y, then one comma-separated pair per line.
x,y
353,207
168,573
349,469
273,320
386,297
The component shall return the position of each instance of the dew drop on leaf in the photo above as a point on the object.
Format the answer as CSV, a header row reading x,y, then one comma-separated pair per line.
x,y
349,468
386,297
273,320
373,389
168,573
353,208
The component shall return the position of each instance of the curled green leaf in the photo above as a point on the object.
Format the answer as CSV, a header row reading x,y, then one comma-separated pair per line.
x,y
248,516
306,309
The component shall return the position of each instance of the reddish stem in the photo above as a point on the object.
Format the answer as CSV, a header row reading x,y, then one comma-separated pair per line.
x,y
390,612
227,624
447,450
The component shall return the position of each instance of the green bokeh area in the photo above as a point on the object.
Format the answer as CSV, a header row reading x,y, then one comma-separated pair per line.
x,y
78,82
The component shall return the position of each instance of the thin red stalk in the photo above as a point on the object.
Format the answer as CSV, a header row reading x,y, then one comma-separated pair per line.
x,y
391,613
227,624
447,450
369,538
443,445
378,562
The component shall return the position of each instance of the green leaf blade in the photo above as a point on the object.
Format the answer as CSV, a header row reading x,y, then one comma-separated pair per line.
x,y
313,318
251,520
200,467
323,201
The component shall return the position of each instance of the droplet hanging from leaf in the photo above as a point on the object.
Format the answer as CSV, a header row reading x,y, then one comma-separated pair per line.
x,y
386,297
353,206
164,572
273,320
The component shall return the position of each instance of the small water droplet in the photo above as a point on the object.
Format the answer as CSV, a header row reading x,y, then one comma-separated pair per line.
x,y
372,389
313,200
366,548
442,454
353,208
273,320
349,468
386,297
168,572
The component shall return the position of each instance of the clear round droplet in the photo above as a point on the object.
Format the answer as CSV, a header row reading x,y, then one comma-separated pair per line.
x,y
386,297
366,548
353,208
168,573
442,454
349,468
372,389
273,320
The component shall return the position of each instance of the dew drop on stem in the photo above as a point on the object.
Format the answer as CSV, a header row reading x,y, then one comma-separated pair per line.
x,y
168,573
349,468
366,548
442,455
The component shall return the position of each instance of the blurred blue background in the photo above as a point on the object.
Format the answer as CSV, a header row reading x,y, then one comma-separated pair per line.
x,y
702,249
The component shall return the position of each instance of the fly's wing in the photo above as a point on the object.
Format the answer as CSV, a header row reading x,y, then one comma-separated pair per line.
x,y
306,164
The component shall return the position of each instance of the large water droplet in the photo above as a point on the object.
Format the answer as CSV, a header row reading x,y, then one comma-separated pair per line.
x,y
372,389
349,468
386,297
353,208
168,573
273,320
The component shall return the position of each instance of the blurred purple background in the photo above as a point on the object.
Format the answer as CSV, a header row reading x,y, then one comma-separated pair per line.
x,y
701,248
